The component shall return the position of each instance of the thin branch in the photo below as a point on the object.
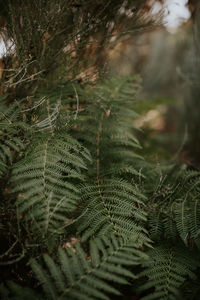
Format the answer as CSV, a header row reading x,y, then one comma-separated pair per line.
x,y
42,100
10,249
77,102
10,262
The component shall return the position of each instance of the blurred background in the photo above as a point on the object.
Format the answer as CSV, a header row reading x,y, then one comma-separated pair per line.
x,y
167,58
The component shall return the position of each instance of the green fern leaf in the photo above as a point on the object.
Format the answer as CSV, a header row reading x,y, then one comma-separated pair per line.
x,y
115,206
77,276
11,135
166,270
46,180
14,291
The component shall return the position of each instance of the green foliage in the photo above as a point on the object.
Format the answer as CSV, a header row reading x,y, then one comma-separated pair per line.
x,y
79,186
113,206
15,291
174,206
78,177
11,134
78,276
53,164
60,191
82,206
167,269
112,203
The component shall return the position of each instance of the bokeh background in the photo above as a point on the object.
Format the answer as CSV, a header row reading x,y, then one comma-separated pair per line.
x,y
167,58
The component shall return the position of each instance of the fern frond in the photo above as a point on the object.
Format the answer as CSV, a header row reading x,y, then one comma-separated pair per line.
x,y
16,292
77,276
166,270
111,202
11,135
187,219
113,206
175,199
97,123
46,180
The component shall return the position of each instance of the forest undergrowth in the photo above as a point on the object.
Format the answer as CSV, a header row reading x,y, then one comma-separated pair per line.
x,y
84,213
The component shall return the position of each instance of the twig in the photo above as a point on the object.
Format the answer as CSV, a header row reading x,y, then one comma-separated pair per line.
x,y
6,253
77,102
27,78
10,262
36,105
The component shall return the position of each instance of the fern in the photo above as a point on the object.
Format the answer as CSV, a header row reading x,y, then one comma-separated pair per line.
x,y
191,290
115,201
105,123
70,168
11,135
113,206
46,180
112,202
78,276
14,291
166,270
176,205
